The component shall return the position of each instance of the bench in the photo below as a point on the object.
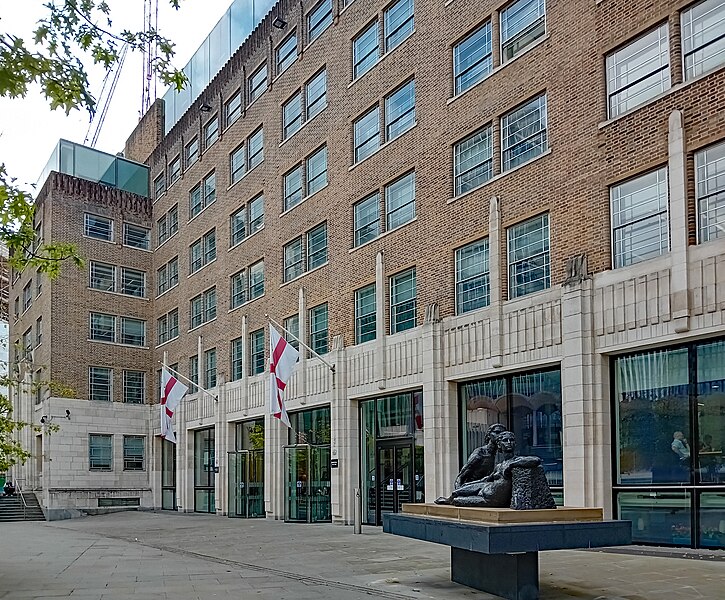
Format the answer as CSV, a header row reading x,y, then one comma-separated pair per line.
x,y
496,550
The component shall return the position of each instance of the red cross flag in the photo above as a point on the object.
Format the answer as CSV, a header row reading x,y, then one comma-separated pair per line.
x,y
172,391
283,359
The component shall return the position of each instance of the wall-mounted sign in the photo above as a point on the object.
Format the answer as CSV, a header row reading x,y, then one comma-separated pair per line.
x,y
333,463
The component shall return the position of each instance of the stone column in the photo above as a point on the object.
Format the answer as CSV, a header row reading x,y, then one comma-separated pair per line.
x,y
275,438
302,369
221,445
380,338
494,278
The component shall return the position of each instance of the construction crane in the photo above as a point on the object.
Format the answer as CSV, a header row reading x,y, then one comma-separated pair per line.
x,y
151,23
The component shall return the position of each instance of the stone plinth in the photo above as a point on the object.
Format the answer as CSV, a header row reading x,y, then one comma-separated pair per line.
x,y
504,515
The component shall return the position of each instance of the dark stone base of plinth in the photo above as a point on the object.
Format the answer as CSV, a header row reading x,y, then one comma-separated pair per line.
x,y
511,576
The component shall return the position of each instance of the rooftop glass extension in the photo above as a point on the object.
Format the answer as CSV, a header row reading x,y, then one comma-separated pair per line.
x,y
228,34
87,163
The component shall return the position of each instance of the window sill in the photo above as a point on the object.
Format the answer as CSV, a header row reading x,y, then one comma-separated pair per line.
x,y
157,198
675,88
245,175
253,102
349,4
191,164
110,293
382,235
95,239
284,141
200,269
380,59
283,71
167,291
385,145
248,302
200,326
499,176
137,248
167,342
167,239
251,235
301,202
201,212
118,344
300,276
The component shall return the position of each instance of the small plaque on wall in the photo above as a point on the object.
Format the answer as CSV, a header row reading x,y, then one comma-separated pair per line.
x,y
333,463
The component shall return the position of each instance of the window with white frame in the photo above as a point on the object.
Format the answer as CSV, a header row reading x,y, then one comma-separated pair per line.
x,y
100,384
100,452
202,195
529,259
133,331
174,171
237,164
286,53
159,186
400,111
202,251
38,283
319,335
211,131
365,50
399,23
366,133
256,352
102,327
365,316
292,182
133,453
473,160
256,280
292,115
102,277
366,217
524,133
194,370
246,156
317,246
316,94
246,220
202,308
167,276
97,227
134,387
255,146
292,325
136,236
703,37
472,59
319,19
233,108
210,368
191,153
640,229
238,292
710,191
306,252
305,179
258,83
168,225
638,71
400,201
403,301
294,264
38,331
473,286
133,282
522,23
307,102
237,358
167,327
28,344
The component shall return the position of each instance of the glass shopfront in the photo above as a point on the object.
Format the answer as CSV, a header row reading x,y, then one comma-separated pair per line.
x,y
669,418
168,475
307,467
529,405
391,464
204,471
246,471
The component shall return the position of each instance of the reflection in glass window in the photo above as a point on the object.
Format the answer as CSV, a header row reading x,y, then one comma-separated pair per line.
x,y
258,83
365,321
399,23
528,257
524,133
292,116
286,53
400,111
316,94
318,329
472,277
710,191
366,131
703,37
473,161
319,19
400,201
365,51
472,59
522,23
366,214
403,301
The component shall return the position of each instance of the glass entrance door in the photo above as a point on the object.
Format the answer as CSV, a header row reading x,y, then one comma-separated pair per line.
x,y
246,484
307,485
395,477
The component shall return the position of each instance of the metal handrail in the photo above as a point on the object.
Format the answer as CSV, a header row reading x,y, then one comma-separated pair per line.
x,y
25,504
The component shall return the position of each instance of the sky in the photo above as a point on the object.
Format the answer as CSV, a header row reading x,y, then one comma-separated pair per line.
x,y
29,130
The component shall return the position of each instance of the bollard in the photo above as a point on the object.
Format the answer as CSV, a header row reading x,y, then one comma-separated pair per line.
x,y
357,527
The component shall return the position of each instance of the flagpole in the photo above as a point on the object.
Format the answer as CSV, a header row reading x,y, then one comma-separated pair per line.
x,y
271,320
196,385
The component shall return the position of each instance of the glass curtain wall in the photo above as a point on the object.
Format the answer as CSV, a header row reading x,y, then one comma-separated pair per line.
x,y
204,474
669,420
246,471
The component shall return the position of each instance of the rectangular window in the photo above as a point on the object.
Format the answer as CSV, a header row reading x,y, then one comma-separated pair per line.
x,y
97,227
195,201
710,191
528,257
168,225
638,71
28,344
292,325
255,143
400,201
400,111
202,251
100,452
317,246
136,236
238,288
133,331
365,318
523,133
38,283
103,277
256,214
38,331
292,115
237,357
167,276
210,368
238,164
256,348
316,95
403,301
238,226
159,186
174,170
133,282
256,280
366,132
233,108
191,152
27,296
100,384
168,327
639,219
522,23
203,308
365,50
472,59
294,264
399,23
258,83
473,286
202,195
293,187
194,371
211,132
319,19
209,189
316,171
103,327
318,329
366,215
473,160
134,387
133,453
286,53
703,37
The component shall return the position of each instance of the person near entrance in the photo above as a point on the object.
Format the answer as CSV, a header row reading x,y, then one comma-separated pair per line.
x,y
680,446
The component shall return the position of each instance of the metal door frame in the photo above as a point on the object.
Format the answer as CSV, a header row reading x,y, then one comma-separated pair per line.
x,y
392,443
245,476
308,448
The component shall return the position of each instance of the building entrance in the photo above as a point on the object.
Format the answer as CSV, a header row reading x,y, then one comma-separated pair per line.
x,y
395,477
246,483
307,485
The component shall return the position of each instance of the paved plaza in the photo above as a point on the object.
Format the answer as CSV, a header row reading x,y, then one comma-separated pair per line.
x,y
182,557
